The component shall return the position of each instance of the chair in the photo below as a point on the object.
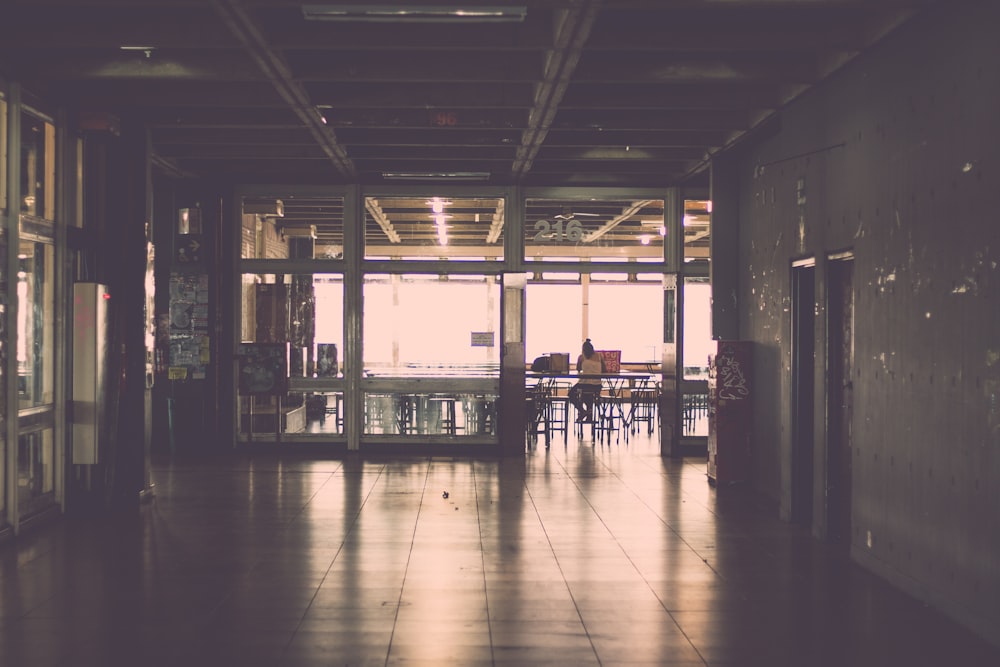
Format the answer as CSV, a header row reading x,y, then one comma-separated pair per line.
x,y
644,404
478,414
537,412
444,407
602,412
558,406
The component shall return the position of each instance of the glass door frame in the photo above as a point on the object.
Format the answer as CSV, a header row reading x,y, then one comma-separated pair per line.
x,y
355,267
49,417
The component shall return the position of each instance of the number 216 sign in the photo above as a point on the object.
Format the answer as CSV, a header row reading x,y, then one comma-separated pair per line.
x,y
558,232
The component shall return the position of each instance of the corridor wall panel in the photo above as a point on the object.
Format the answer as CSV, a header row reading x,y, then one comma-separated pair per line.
x,y
895,160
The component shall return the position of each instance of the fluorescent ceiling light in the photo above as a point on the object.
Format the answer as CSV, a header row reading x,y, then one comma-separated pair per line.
x,y
414,13
436,175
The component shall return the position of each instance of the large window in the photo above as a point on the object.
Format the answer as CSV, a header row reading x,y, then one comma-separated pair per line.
x,y
431,321
616,314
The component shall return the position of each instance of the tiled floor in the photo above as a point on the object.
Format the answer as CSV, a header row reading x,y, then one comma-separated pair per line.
x,y
579,555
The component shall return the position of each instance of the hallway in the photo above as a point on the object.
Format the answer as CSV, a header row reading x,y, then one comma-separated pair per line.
x,y
583,555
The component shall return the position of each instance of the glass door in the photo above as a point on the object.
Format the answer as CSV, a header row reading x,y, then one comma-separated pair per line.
x,y
35,375
697,344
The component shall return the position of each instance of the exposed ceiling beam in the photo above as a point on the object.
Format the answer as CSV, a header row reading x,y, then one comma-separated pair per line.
x,y
572,30
627,213
278,73
383,221
496,225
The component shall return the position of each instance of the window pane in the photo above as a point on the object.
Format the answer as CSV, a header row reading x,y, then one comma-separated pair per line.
x,y
304,310
553,320
628,317
37,167
608,230
36,320
415,320
697,339
292,228
434,228
697,230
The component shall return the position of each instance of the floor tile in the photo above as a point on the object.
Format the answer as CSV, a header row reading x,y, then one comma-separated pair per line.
x,y
582,554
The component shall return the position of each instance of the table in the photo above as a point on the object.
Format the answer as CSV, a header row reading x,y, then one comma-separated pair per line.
x,y
612,384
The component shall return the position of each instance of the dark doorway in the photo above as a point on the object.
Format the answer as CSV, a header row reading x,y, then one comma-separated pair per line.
x,y
840,363
803,378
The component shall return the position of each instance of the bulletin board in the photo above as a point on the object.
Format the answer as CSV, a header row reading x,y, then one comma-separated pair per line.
x,y
188,327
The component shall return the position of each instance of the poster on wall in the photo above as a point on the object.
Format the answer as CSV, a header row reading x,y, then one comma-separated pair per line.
x,y
188,339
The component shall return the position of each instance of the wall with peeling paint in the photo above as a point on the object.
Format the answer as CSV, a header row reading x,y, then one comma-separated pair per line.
x,y
897,159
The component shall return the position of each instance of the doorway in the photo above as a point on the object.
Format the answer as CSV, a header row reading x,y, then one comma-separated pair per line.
x,y
840,364
803,378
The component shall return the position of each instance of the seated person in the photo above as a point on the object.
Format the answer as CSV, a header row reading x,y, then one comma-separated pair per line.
x,y
583,393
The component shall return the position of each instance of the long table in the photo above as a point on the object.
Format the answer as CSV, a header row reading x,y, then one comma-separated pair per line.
x,y
613,386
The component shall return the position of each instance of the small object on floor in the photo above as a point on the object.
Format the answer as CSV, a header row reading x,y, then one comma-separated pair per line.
x,y
444,495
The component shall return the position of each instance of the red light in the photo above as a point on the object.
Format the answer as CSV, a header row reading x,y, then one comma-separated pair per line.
x,y
106,296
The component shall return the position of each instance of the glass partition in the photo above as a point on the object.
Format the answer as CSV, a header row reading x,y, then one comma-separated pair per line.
x,y
36,318
36,324
299,318
431,354
599,230
434,228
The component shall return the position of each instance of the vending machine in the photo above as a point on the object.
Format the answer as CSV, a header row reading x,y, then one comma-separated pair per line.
x,y
730,412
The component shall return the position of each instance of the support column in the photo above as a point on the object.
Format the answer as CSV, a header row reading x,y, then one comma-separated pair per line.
x,y
127,279
724,193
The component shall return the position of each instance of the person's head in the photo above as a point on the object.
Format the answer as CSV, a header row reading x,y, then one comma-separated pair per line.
x,y
588,348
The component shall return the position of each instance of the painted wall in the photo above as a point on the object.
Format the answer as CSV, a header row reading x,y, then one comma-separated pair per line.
x,y
896,158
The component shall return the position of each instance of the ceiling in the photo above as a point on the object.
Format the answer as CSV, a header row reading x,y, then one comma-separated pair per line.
x,y
570,93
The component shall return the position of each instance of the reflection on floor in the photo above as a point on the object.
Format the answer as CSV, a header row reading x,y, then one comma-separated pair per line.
x,y
584,554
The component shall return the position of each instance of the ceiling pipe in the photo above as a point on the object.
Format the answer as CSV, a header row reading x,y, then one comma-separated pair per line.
x,y
278,73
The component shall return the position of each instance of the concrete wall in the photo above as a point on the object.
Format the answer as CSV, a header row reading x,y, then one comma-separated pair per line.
x,y
897,159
